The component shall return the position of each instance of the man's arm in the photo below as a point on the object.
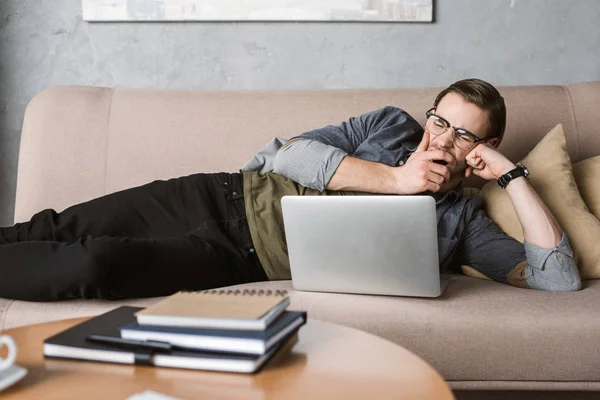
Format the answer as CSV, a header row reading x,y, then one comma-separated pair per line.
x,y
354,174
540,228
309,162
419,174
550,257
378,137
485,247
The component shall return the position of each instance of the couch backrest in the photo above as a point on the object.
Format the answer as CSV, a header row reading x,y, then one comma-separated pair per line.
x,y
82,142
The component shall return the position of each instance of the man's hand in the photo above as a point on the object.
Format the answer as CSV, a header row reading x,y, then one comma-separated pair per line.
x,y
487,162
424,170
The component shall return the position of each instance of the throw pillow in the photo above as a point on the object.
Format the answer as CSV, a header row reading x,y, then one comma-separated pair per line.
x,y
587,174
552,178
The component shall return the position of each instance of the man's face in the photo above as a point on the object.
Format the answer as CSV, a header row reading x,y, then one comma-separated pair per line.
x,y
461,114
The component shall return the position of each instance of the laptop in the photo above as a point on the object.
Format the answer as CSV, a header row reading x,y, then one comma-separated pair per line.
x,y
385,245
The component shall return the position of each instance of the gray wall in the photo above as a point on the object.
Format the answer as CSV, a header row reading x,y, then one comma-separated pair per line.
x,y
44,43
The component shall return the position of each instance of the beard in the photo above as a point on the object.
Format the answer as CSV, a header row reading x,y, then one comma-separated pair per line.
x,y
458,170
457,174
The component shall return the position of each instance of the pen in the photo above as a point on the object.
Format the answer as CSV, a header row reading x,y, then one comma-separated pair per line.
x,y
131,344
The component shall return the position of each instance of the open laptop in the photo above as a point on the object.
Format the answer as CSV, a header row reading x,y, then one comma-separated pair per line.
x,y
384,245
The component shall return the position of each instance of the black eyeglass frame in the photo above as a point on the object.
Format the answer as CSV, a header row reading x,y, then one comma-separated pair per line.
x,y
457,131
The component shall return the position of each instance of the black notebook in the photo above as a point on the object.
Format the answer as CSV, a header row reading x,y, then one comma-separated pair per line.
x,y
225,340
72,344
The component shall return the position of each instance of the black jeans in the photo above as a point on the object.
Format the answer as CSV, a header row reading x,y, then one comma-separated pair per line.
x,y
188,233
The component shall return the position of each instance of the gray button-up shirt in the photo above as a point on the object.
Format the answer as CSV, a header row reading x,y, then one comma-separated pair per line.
x,y
466,236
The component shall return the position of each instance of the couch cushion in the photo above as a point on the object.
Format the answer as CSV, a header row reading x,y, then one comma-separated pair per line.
x,y
477,330
15,313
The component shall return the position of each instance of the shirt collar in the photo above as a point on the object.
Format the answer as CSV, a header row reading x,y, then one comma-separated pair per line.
x,y
451,195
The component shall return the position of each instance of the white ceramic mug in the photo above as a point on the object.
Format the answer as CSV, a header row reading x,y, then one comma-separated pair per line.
x,y
8,341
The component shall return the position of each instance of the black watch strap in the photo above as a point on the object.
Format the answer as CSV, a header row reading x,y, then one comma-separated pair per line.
x,y
521,170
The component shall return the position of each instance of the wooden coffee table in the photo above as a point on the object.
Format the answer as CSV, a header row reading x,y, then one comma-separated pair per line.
x,y
328,362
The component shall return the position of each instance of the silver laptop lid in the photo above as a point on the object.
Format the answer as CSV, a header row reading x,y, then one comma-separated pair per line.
x,y
363,244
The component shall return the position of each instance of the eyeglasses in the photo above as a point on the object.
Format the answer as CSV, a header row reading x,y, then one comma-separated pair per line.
x,y
463,139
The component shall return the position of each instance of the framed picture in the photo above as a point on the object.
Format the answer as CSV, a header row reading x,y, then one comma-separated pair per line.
x,y
259,10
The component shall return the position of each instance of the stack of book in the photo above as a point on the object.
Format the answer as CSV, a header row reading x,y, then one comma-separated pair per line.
x,y
214,330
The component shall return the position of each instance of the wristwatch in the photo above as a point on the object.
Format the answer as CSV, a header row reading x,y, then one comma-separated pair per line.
x,y
521,170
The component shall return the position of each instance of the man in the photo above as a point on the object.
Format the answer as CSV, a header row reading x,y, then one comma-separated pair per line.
x,y
211,230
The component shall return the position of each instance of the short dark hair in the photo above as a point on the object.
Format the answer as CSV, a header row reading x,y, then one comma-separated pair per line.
x,y
485,96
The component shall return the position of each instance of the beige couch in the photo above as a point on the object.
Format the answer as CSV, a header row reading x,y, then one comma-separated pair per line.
x,y
82,142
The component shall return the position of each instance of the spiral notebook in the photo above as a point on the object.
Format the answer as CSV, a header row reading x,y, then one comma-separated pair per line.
x,y
223,309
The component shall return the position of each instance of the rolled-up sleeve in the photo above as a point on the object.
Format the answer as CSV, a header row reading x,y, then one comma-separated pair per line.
x,y
500,257
552,269
308,162
312,158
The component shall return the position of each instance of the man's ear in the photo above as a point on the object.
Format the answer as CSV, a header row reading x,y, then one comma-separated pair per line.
x,y
494,142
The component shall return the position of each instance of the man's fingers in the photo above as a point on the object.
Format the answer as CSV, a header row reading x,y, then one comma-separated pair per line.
x,y
433,187
478,172
440,170
474,157
468,172
435,178
477,163
424,143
